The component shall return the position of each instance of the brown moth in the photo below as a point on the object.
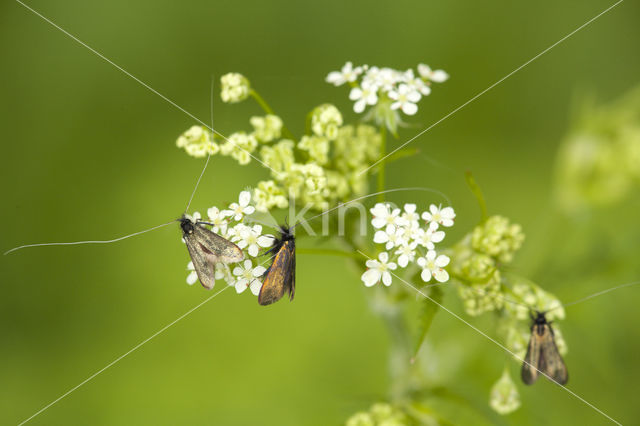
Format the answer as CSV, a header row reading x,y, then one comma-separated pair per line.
x,y
281,275
207,248
542,354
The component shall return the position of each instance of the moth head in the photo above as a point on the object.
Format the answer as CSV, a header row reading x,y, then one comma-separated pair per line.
x,y
187,224
286,233
539,318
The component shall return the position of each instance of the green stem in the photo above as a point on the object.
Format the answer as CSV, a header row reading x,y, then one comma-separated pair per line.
x,y
381,168
267,108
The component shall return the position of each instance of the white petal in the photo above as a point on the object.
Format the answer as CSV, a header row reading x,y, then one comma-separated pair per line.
x,y
378,222
442,260
372,263
437,236
409,108
439,76
241,285
441,275
371,277
424,70
192,278
425,275
414,96
259,271
386,279
380,237
255,287
245,198
265,241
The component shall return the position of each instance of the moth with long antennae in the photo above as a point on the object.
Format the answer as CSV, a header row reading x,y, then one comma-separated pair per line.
x,y
205,247
542,356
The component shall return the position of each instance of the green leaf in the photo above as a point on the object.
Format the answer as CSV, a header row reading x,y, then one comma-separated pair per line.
x,y
426,311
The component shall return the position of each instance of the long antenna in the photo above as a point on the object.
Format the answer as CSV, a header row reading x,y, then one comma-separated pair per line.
x,y
89,242
596,294
209,153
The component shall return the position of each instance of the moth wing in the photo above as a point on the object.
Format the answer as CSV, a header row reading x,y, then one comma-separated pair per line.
x,y
202,262
216,248
291,286
530,366
554,365
278,276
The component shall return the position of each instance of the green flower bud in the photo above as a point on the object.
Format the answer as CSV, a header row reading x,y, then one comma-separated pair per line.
x,y
267,128
504,397
197,142
235,87
325,121
497,238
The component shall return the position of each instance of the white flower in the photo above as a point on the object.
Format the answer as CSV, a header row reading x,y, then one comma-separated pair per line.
x,y
437,76
248,277
439,216
410,216
378,270
366,94
407,253
392,236
387,78
241,208
193,276
405,98
346,74
383,215
250,238
427,237
432,266
218,219
416,83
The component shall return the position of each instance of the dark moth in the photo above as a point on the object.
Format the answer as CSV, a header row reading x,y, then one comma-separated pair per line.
x,y
280,278
207,248
542,354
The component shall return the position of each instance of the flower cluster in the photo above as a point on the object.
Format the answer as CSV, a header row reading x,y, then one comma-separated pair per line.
x,y
477,258
599,160
379,414
504,397
406,241
229,224
320,169
387,90
235,87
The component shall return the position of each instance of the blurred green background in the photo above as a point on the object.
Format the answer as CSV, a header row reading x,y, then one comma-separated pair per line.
x,y
88,153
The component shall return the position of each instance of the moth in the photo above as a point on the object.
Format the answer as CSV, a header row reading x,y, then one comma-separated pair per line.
x,y
207,248
542,354
280,278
